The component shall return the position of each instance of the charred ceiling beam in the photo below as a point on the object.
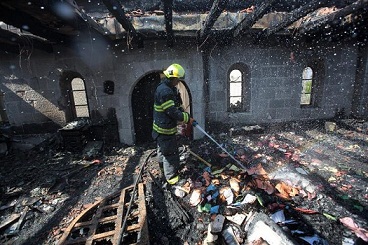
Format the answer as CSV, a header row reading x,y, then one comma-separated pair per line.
x,y
250,19
236,5
168,9
23,41
205,5
354,29
30,24
336,19
217,7
58,21
295,15
91,22
118,11
70,14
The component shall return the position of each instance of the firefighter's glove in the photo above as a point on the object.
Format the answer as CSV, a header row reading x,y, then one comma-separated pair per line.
x,y
192,122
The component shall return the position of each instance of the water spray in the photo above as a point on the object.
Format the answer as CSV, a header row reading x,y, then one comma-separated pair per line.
x,y
195,124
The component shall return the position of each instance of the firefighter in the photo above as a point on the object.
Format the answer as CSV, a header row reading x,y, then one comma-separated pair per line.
x,y
167,112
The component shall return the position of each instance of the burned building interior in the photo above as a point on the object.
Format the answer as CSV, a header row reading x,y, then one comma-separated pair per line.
x,y
279,89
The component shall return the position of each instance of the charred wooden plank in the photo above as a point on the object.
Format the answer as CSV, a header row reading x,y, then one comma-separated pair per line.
x,y
250,19
94,224
25,41
334,19
69,13
11,17
45,19
294,16
9,220
217,7
96,26
168,7
19,224
117,10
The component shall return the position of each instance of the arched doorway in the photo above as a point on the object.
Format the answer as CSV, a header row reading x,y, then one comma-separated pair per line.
x,y
142,105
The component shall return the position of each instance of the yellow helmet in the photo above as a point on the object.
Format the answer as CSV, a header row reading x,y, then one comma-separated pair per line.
x,y
175,70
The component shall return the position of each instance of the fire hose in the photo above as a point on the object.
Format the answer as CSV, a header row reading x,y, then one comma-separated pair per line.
x,y
195,124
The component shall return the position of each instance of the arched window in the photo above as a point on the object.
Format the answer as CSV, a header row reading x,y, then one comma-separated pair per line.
x,y
238,88
79,98
312,84
307,84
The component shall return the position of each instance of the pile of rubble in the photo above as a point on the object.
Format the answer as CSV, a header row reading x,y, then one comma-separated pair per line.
x,y
302,184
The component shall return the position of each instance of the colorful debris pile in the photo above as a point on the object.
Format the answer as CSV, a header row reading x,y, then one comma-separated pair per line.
x,y
302,184
297,180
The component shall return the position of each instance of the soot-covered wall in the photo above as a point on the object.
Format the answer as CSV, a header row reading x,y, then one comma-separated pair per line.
x,y
274,78
33,85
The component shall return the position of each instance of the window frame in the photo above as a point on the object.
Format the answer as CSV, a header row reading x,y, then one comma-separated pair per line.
x,y
318,71
310,90
67,100
73,104
245,88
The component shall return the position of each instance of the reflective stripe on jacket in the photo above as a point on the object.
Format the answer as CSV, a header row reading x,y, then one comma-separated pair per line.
x,y
167,111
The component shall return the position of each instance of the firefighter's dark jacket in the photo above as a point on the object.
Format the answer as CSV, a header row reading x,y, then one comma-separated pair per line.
x,y
167,111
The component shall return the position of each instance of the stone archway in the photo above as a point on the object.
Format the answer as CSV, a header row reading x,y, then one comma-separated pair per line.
x,y
142,107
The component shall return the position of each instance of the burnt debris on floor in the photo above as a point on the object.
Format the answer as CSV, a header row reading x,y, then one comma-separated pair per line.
x,y
304,183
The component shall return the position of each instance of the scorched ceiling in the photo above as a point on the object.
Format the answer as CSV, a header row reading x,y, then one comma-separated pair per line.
x,y
42,23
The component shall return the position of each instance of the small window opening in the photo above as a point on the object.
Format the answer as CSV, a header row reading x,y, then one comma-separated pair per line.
x,y
80,98
307,85
109,87
236,88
